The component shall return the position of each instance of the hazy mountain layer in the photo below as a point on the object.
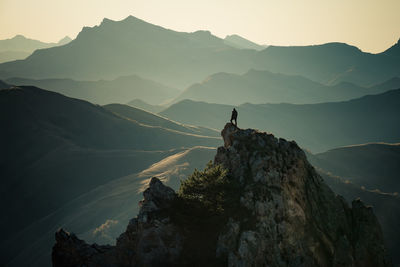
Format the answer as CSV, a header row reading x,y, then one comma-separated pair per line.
x,y
260,87
106,92
138,103
19,47
6,56
318,127
179,59
330,63
132,46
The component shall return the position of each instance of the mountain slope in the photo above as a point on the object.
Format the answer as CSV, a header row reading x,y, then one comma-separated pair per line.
x,y
101,214
318,127
138,103
132,46
259,87
151,119
56,148
105,92
393,51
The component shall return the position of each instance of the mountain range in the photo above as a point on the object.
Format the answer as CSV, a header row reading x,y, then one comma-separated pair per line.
x,y
20,47
260,87
132,46
318,127
179,59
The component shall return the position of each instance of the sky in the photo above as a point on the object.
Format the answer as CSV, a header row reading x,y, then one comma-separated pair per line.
x,y
371,25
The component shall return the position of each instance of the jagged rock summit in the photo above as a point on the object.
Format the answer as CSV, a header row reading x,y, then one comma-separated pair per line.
x,y
282,214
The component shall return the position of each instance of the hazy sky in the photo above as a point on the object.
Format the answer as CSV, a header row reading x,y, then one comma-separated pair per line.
x,y
372,25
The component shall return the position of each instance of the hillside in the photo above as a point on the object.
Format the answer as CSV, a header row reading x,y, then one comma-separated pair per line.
x,y
105,91
133,46
318,127
260,87
57,148
374,166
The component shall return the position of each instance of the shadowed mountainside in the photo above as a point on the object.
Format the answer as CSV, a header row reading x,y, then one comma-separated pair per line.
x,y
318,127
347,169
56,148
105,92
101,214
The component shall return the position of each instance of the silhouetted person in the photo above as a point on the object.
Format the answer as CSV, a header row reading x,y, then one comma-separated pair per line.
x,y
234,116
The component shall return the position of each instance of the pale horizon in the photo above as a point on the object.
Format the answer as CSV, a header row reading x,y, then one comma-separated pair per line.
x,y
369,25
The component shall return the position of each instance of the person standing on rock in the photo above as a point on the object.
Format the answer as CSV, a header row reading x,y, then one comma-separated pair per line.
x,y
234,116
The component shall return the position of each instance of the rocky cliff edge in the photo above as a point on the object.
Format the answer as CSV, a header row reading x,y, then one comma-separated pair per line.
x,y
282,214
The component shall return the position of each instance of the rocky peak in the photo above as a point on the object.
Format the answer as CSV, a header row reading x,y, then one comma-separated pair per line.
x,y
285,215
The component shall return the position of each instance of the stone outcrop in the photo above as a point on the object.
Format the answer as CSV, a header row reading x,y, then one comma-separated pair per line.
x,y
149,240
285,215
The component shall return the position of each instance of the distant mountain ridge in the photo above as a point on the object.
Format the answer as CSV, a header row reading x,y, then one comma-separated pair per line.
x,y
19,47
178,59
260,87
330,63
106,91
132,46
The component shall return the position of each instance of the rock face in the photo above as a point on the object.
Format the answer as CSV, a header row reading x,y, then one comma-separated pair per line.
x,y
291,217
149,240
